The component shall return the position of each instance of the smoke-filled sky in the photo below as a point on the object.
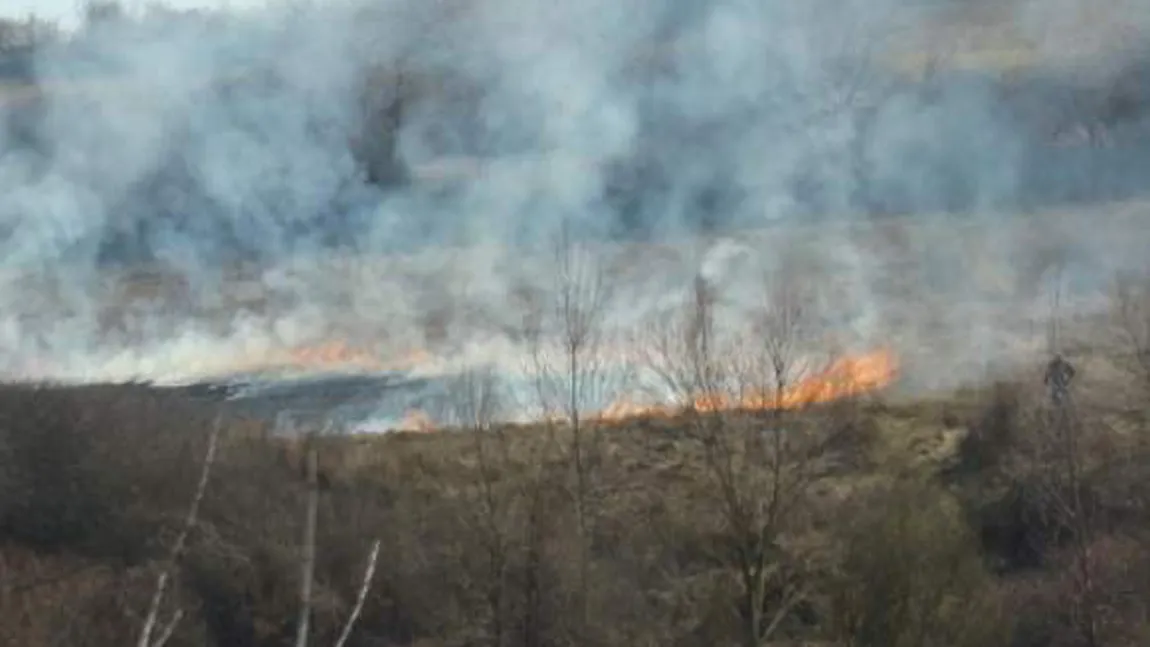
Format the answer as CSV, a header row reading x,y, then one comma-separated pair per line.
x,y
197,146
68,13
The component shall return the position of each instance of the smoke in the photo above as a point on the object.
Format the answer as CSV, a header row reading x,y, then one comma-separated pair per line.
x,y
190,194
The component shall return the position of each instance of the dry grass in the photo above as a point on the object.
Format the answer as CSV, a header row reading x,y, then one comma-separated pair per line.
x,y
96,480
477,528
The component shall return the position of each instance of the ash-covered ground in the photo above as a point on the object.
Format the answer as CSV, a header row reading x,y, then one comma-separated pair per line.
x,y
355,402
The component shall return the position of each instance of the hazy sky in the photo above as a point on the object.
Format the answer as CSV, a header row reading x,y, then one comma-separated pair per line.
x,y
67,11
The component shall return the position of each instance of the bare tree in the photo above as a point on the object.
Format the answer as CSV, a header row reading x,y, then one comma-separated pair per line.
x,y
582,300
535,525
764,512
364,587
98,13
760,469
308,556
571,373
27,34
678,349
1132,315
779,326
1058,467
1055,461
473,407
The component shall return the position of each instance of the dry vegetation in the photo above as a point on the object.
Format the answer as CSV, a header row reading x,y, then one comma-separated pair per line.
x,y
977,518
985,517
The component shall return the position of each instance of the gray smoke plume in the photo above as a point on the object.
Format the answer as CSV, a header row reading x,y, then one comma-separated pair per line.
x,y
190,196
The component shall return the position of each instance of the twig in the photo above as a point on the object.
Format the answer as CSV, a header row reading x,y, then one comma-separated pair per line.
x,y
308,560
783,612
169,629
145,639
368,573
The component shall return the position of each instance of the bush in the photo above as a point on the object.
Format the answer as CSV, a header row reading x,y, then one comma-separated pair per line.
x,y
911,574
76,463
993,433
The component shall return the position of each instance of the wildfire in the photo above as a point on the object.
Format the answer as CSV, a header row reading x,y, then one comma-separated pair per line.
x,y
337,352
846,377
343,355
416,420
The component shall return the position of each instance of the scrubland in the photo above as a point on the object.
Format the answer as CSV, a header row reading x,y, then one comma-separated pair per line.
x,y
985,515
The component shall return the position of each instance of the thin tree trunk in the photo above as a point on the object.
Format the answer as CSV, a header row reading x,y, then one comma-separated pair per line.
x,y
580,486
307,561
365,585
145,639
532,600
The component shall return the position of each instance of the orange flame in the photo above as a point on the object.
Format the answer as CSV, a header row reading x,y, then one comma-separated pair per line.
x,y
343,355
846,377
416,420
336,352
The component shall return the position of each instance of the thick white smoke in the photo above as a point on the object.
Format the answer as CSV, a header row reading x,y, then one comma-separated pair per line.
x,y
225,154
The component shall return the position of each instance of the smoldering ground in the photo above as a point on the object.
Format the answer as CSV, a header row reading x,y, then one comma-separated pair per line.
x,y
189,196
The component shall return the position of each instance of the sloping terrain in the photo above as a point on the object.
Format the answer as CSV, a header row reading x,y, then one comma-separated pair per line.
x,y
935,503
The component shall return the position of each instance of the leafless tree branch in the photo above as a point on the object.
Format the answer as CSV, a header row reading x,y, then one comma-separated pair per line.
x,y
759,472
365,585
162,581
475,402
169,629
307,559
1132,311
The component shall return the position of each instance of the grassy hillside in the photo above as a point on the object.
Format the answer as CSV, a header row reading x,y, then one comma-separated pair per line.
x,y
978,518
920,516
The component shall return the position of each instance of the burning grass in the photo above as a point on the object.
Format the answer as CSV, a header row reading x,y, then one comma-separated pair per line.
x,y
846,377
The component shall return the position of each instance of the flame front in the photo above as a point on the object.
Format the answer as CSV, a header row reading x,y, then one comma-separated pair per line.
x,y
416,420
333,353
341,355
846,377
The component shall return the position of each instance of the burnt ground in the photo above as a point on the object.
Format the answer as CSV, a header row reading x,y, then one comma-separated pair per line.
x,y
310,402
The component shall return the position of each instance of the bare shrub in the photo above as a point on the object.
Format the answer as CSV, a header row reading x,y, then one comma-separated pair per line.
x,y
1055,464
994,432
759,466
475,405
1131,310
